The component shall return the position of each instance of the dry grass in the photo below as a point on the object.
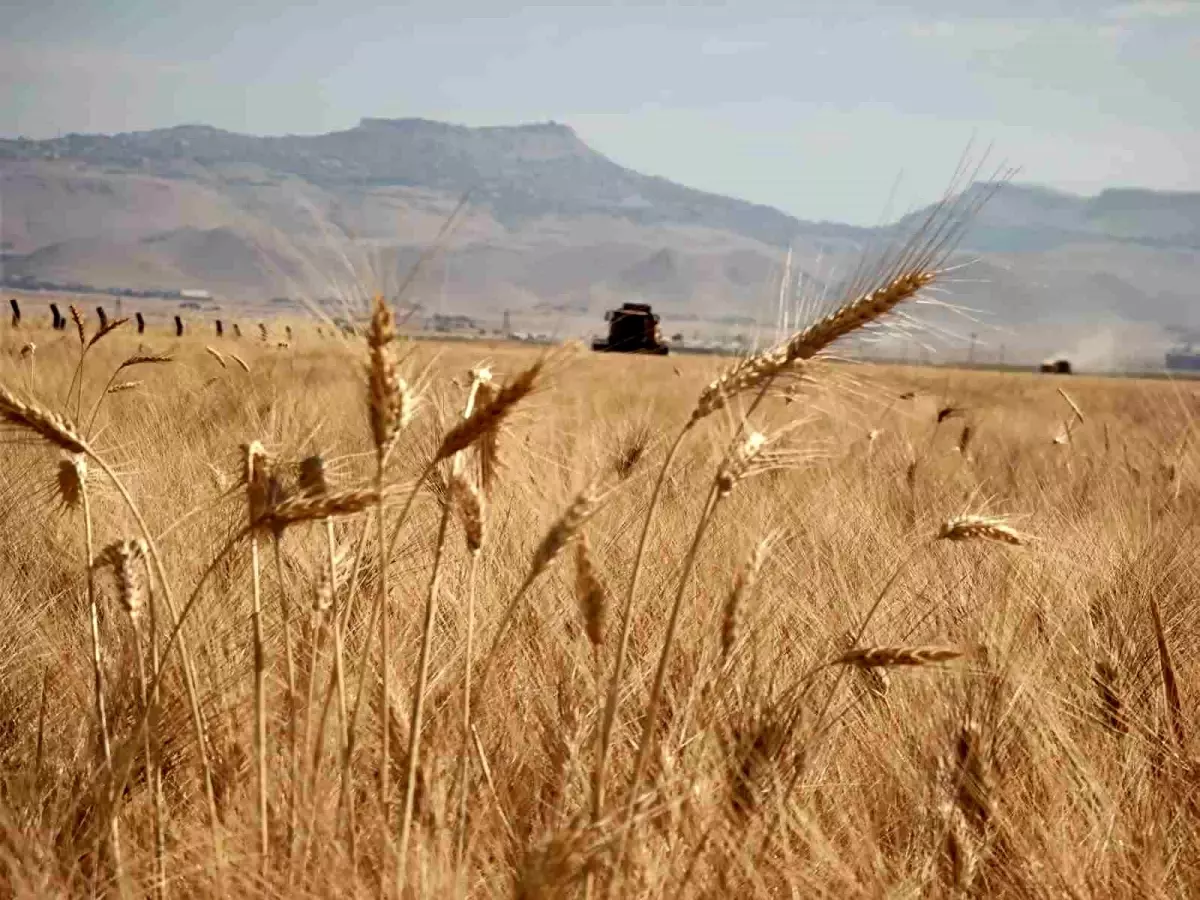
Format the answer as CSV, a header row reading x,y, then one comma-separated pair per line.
x,y
819,697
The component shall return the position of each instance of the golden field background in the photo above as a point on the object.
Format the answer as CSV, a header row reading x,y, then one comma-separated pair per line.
x,y
1055,758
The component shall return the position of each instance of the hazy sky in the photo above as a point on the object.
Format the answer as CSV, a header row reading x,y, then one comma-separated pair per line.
x,y
814,107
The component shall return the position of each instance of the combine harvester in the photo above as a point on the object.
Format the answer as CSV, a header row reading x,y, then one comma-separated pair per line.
x,y
632,329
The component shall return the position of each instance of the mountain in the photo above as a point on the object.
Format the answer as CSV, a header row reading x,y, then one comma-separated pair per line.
x,y
552,227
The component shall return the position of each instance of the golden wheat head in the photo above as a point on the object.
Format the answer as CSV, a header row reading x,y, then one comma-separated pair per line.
x,y
889,657
982,528
51,426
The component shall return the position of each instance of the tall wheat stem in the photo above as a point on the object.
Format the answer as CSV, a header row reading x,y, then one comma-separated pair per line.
x,y
464,761
418,702
651,714
260,705
614,686
336,688
154,775
293,724
159,875
98,674
376,611
340,682
385,675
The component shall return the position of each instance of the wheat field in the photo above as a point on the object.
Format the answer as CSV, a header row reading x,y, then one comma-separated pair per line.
x,y
893,632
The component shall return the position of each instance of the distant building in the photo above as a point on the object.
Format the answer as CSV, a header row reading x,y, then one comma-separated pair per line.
x,y
195,294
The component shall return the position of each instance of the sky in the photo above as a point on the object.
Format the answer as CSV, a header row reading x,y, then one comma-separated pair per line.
x,y
844,110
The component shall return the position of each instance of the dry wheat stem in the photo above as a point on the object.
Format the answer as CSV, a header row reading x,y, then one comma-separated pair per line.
x,y
293,725
418,704
612,697
337,687
97,666
735,464
260,693
651,714
376,622
464,761
154,772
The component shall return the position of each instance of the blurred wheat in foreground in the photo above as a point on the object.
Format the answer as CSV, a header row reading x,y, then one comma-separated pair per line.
x,y
380,619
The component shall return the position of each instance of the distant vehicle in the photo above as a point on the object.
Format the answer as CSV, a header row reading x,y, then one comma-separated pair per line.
x,y
632,329
1057,366
1184,359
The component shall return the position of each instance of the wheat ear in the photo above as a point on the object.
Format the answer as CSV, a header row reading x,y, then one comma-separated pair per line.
x,y
890,657
981,528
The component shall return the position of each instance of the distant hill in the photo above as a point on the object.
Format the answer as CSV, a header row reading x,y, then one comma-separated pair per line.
x,y
553,225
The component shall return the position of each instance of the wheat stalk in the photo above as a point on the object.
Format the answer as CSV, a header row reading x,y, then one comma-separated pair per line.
x,y
79,463
258,475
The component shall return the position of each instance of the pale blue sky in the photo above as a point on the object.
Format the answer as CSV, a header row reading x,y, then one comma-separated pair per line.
x,y
812,107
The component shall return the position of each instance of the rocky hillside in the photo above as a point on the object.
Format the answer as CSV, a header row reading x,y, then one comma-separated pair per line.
x,y
552,225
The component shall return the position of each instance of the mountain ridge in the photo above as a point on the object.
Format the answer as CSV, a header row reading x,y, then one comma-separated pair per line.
x,y
553,224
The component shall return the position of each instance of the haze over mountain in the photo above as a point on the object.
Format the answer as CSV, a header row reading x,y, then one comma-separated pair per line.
x,y
555,226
